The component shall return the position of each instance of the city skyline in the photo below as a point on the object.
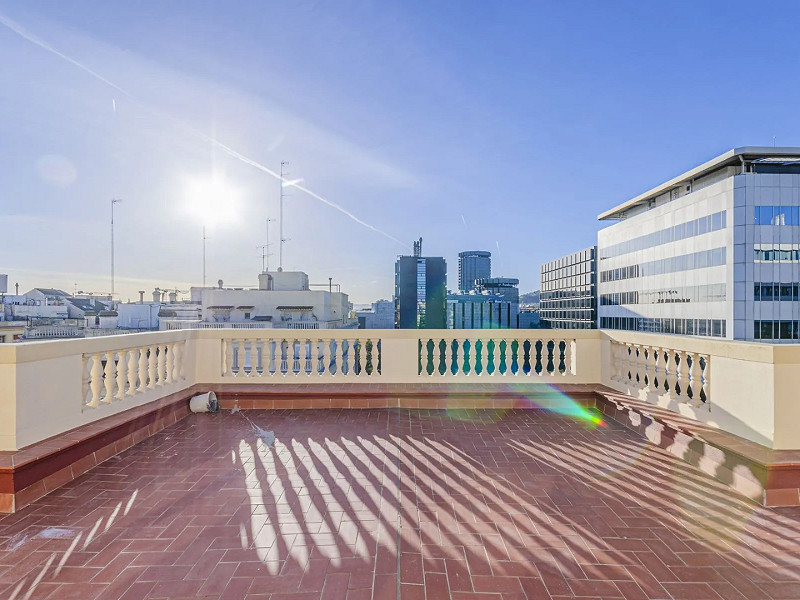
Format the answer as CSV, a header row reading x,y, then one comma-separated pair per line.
x,y
388,112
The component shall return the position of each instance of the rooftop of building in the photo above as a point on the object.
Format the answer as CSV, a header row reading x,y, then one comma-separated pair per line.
x,y
497,281
481,253
734,157
389,504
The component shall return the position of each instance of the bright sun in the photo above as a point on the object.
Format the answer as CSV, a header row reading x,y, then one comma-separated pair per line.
x,y
212,200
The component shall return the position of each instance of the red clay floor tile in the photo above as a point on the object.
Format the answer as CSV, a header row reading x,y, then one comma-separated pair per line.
x,y
501,504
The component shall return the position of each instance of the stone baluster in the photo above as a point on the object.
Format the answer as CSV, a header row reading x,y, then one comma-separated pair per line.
x,y
170,363
293,349
122,374
284,350
672,373
355,350
477,357
569,357
706,378
247,367
142,369
96,379
152,367
630,365
503,353
345,357
272,351
448,357
657,376
637,373
326,358
226,358
109,377
161,365
695,379
308,347
683,374
133,370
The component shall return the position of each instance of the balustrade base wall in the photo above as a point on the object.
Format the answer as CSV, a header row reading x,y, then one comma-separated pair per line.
x,y
419,396
35,471
768,477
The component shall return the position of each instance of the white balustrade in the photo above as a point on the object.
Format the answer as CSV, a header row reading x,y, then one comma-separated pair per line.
x,y
652,372
115,375
288,357
495,356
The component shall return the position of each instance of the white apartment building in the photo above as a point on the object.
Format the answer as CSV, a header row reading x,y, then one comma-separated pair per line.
x,y
283,299
712,252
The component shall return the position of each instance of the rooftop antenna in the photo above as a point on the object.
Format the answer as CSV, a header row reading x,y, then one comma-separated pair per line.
x,y
205,237
282,239
113,202
265,253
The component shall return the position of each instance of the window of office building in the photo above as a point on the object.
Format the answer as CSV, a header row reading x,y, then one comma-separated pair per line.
x,y
777,215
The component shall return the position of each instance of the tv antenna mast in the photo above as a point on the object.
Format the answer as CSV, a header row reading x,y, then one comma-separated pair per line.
x,y
282,239
265,253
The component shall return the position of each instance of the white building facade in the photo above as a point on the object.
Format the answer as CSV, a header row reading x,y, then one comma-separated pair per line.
x,y
283,299
713,252
380,316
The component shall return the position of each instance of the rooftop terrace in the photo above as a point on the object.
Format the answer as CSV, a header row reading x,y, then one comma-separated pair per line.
x,y
489,504
492,464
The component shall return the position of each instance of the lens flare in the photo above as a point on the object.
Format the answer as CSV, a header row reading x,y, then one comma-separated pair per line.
x,y
493,406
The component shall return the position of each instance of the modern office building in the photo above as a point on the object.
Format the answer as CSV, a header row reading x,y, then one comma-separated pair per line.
x,y
420,291
481,310
472,265
568,298
712,252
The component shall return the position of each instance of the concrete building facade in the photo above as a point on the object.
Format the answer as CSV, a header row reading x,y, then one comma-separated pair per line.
x,y
568,297
380,316
713,252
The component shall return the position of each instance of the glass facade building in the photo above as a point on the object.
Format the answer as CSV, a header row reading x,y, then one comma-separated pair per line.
x,y
420,292
472,265
568,297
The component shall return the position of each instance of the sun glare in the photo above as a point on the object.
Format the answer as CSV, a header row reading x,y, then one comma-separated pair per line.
x,y
212,200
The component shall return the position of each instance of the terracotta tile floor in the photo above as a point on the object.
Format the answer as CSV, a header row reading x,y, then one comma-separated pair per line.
x,y
482,505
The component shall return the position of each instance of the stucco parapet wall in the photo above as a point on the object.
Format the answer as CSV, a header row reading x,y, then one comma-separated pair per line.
x,y
30,351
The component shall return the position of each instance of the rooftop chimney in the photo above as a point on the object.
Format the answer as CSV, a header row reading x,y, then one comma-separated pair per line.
x,y
173,297
157,295
141,296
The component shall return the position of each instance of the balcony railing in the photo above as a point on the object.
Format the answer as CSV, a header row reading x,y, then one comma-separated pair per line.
x,y
50,387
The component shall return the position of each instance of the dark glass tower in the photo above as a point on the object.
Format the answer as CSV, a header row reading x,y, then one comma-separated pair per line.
x,y
420,291
472,265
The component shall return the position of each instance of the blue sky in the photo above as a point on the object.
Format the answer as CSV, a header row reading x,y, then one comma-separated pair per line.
x,y
499,126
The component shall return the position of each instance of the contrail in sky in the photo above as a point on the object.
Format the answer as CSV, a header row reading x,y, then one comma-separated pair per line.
x,y
23,33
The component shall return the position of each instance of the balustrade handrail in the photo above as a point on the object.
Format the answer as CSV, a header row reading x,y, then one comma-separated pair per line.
x,y
102,375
